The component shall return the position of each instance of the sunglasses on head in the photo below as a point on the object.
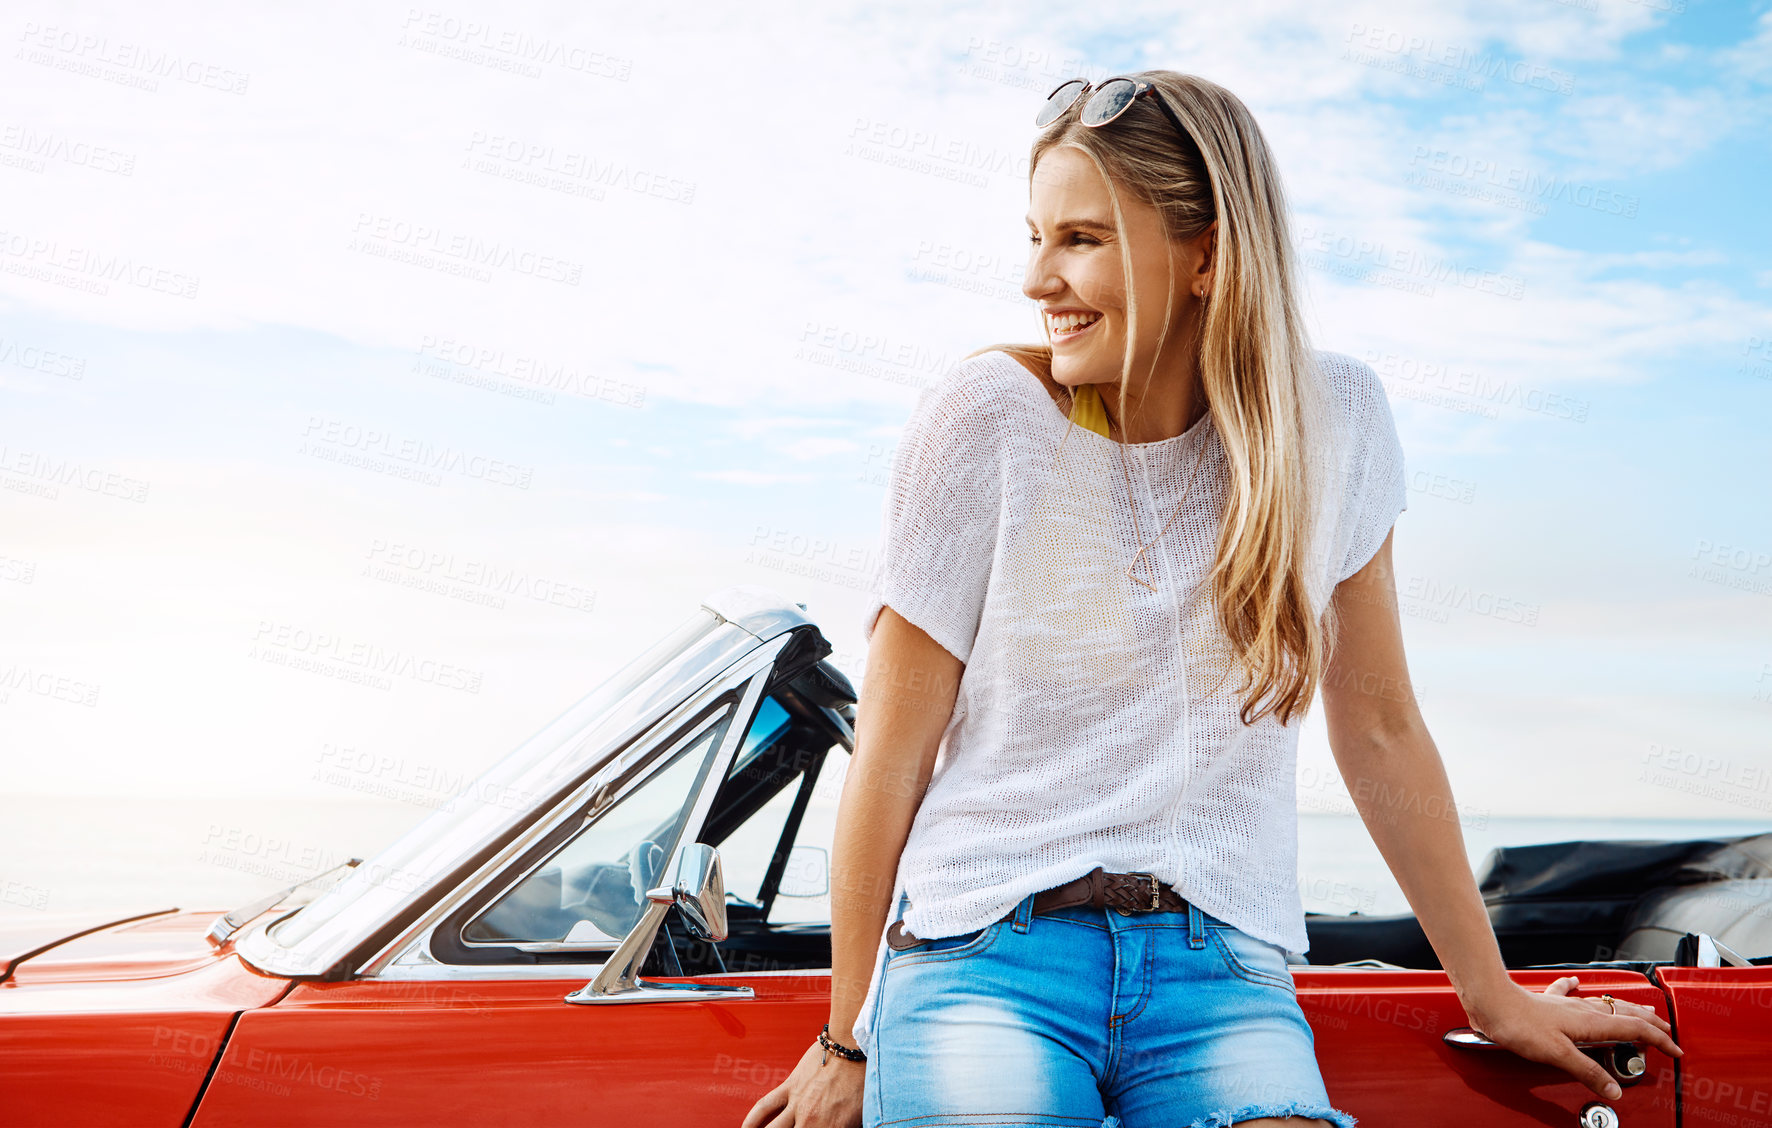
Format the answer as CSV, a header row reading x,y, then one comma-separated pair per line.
x,y
1109,101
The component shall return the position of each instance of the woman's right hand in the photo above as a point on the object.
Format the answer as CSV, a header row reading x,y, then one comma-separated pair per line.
x,y
814,1095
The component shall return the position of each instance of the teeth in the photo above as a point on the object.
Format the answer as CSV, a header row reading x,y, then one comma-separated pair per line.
x,y
1071,322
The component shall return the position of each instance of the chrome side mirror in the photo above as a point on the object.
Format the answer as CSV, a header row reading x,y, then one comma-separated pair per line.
x,y
694,885
699,891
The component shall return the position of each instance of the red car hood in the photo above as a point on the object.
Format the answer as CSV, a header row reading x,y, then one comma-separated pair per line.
x,y
105,945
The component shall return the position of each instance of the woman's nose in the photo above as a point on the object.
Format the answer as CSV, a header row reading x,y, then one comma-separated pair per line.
x,y
1039,279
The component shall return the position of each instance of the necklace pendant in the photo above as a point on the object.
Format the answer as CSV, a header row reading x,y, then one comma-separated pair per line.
x,y
1134,565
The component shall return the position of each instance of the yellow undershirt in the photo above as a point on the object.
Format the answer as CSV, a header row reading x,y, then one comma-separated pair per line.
x,y
1087,411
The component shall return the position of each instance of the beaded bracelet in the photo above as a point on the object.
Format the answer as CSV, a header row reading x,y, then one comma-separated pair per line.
x,y
824,1039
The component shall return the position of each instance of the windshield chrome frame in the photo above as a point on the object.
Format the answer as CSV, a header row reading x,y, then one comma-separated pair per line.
x,y
748,619
581,799
412,948
409,958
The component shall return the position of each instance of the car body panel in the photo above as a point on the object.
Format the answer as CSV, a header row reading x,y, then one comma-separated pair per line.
x,y
1722,1018
119,1050
374,1053
149,947
28,935
402,1053
1380,1045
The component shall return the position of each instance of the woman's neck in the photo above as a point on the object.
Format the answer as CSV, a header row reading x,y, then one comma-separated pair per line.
x,y
1169,411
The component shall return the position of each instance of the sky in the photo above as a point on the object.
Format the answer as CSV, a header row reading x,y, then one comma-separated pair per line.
x,y
662,285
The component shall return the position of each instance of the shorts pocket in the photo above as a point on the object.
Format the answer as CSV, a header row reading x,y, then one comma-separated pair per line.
x,y
942,948
1253,959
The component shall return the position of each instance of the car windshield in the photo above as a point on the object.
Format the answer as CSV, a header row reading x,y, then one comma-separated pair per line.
x,y
698,648
594,887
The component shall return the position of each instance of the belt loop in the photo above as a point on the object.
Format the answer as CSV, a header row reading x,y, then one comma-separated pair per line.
x,y
1196,927
1097,885
1024,913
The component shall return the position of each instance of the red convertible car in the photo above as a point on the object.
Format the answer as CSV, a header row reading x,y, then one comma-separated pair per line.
x,y
626,922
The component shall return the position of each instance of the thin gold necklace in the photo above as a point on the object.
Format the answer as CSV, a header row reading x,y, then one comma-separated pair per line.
x,y
1143,546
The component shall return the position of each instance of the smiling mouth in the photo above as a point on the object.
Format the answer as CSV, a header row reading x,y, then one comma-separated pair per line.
x,y
1070,326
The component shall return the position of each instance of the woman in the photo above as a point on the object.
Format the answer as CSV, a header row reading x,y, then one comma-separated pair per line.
x,y
1068,835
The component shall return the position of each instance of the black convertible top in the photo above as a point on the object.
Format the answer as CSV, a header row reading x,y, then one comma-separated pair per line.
x,y
1588,902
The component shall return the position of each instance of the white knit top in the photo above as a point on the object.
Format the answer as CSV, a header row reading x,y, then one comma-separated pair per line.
x,y
1087,730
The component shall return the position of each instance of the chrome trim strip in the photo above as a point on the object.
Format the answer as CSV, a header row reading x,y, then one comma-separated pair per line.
x,y
666,991
575,973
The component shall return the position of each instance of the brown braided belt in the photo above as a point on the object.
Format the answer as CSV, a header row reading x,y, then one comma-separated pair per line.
x,y
1125,893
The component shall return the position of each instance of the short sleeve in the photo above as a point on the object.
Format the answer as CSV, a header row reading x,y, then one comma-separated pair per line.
x,y
1377,489
938,532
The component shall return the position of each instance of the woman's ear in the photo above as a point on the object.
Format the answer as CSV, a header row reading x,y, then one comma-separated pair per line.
x,y
1206,248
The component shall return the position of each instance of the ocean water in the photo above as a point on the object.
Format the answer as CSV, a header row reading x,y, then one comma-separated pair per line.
x,y
64,854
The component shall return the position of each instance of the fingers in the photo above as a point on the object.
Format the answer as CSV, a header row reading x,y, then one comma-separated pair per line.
x,y
1568,983
1622,1027
785,1120
1589,1072
767,1105
1647,1014
1632,1029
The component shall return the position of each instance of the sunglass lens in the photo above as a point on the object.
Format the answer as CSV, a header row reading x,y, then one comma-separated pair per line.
x,y
1107,102
1059,102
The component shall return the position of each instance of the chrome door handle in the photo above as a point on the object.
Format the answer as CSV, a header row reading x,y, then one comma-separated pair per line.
x,y
1623,1060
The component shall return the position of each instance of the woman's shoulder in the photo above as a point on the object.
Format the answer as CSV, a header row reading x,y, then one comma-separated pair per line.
x,y
989,389
1354,382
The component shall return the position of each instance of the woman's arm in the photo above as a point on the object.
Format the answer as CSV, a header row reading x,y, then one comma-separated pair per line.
x,y
1398,783
907,699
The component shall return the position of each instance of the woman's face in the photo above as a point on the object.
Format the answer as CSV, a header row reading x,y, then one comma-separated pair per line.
x,y
1074,273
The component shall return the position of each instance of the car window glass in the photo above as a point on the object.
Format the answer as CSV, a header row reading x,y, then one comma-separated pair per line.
x,y
778,754
744,856
805,893
770,725
745,852
594,887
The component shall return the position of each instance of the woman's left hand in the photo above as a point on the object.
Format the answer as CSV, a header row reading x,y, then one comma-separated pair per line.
x,y
1545,1027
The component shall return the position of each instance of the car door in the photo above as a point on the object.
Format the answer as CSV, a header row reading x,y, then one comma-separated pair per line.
x,y
478,1030
1381,1045
1722,1017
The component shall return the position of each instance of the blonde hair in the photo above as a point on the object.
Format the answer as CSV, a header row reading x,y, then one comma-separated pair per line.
x,y
1255,361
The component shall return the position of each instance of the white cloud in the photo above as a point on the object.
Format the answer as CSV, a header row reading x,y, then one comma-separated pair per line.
x,y
752,477
831,151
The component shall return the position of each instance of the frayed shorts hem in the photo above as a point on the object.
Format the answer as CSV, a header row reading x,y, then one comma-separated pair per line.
x,y
1256,1112
1000,1120
1222,1119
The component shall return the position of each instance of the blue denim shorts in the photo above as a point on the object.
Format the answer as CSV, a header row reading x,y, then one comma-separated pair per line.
x,y
1087,1017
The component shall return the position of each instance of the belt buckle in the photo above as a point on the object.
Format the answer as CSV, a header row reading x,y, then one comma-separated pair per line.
x,y
1156,890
